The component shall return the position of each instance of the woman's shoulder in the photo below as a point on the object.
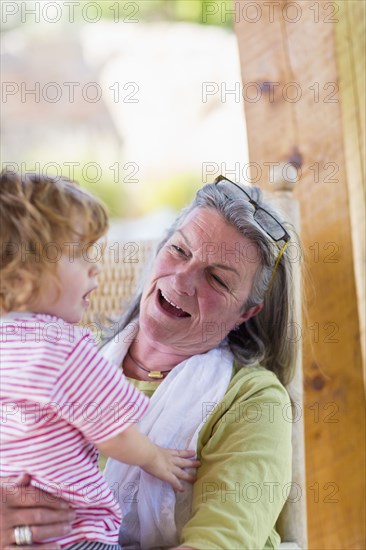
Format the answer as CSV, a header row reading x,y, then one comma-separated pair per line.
x,y
254,396
248,381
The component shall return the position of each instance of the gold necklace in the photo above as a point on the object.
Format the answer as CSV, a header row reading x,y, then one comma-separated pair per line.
x,y
151,373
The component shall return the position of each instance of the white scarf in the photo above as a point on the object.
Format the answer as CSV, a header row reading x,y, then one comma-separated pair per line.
x,y
178,409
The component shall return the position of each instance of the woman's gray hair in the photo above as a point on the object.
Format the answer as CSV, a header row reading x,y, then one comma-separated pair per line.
x,y
264,338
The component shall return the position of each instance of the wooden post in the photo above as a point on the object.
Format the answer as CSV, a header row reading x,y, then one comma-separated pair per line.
x,y
291,76
351,59
292,524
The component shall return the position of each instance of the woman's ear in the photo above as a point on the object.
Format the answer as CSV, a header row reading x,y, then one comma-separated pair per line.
x,y
251,312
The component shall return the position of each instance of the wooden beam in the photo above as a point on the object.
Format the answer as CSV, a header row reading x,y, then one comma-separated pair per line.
x,y
298,119
351,51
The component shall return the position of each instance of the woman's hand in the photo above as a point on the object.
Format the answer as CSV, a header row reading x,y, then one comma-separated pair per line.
x,y
169,465
22,504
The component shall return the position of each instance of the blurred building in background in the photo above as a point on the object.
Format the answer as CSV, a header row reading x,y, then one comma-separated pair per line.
x,y
126,97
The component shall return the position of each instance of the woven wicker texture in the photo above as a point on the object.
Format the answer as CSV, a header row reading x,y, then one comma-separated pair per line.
x,y
120,271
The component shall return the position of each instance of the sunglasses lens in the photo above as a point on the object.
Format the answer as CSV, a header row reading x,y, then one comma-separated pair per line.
x,y
263,218
269,224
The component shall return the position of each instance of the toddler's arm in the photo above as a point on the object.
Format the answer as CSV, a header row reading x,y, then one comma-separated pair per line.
x,y
133,447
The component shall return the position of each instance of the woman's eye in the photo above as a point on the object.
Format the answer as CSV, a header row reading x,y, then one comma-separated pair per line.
x,y
178,249
219,281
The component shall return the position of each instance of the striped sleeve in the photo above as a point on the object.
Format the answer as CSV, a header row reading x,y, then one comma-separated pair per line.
x,y
95,396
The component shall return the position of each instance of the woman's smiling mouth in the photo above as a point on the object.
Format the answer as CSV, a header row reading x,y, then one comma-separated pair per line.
x,y
169,306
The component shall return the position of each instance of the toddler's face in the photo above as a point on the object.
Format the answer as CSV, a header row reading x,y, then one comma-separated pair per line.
x,y
77,277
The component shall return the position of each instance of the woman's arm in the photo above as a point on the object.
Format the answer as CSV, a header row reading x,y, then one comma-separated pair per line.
x,y
22,504
245,453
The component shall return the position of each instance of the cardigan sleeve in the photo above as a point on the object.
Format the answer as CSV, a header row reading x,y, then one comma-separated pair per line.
x,y
245,474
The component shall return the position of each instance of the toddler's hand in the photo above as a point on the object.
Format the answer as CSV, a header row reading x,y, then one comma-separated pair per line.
x,y
169,465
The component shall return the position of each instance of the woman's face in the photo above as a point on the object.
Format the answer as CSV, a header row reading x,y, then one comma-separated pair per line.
x,y
201,279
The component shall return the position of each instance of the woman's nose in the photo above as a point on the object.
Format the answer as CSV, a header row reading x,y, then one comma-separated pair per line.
x,y
185,281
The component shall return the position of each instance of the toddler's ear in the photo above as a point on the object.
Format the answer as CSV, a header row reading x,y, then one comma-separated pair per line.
x,y
23,287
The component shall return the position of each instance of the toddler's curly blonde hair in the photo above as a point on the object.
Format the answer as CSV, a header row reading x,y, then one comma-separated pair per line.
x,y
40,214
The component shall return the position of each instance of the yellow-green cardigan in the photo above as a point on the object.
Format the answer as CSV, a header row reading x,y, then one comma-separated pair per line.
x,y
245,450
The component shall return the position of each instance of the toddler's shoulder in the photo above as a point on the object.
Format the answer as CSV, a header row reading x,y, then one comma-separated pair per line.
x,y
46,333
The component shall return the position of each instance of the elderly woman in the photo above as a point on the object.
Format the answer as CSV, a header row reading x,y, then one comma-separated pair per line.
x,y
207,341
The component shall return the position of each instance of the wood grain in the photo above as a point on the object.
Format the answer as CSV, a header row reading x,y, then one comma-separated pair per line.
x,y
310,131
351,52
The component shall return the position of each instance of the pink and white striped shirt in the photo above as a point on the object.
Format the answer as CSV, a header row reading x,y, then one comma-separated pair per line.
x,y
60,396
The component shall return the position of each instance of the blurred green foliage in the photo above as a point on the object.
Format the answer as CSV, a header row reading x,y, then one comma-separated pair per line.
x,y
174,192
111,193
195,11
